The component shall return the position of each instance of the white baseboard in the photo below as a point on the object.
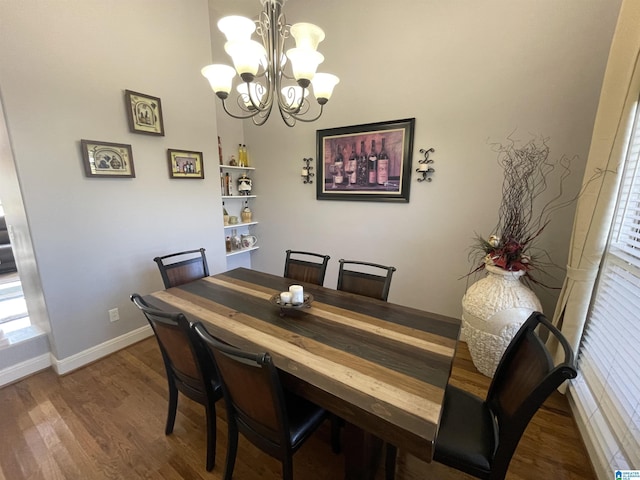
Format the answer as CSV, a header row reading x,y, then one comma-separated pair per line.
x,y
590,439
92,354
24,369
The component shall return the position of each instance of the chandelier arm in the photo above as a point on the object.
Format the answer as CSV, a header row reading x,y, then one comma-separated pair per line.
x,y
239,117
302,119
287,108
261,106
265,114
286,118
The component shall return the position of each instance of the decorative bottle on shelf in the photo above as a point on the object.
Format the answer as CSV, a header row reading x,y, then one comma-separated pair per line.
x,y
352,165
245,156
246,213
225,214
383,165
373,164
220,149
240,156
227,184
339,166
361,176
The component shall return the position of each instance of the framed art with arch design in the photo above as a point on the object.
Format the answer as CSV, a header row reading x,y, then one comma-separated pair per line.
x,y
144,113
106,159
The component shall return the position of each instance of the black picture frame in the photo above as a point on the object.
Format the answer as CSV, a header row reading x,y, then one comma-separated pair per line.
x,y
107,159
144,113
348,180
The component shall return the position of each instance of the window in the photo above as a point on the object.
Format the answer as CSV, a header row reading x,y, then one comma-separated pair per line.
x,y
607,390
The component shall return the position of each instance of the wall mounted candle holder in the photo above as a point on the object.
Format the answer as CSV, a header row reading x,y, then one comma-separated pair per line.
x,y
424,167
306,171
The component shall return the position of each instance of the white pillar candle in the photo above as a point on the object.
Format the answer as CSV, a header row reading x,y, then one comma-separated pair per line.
x,y
285,297
423,167
305,172
297,294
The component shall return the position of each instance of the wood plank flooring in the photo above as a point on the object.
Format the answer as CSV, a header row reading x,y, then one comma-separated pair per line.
x,y
106,421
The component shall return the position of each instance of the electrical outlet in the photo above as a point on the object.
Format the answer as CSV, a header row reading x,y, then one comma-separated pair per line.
x,y
114,315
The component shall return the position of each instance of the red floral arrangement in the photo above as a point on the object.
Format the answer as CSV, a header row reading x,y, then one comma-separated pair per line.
x,y
507,255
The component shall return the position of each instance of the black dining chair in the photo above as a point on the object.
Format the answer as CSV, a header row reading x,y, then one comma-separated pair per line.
x,y
273,419
188,366
306,266
479,436
365,278
182,267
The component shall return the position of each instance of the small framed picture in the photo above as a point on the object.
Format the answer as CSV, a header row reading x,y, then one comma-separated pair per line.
x,y
106,159
185,164
144,113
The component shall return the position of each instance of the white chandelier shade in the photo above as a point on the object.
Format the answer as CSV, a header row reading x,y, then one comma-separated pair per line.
x,y
307,35
268,75
236,28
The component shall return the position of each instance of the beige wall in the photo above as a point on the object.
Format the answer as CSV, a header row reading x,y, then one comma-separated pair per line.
x,y
64,68
471,73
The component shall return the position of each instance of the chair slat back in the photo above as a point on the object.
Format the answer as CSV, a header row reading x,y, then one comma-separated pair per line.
x,y
304,269
365,283
252,388
178,349
251,391
176,271
172,331
524,379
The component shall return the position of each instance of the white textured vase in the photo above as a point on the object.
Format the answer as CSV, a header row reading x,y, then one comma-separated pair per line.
x,y
493,309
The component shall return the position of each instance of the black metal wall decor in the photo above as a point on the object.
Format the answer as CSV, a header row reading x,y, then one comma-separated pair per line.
x,y
424,165
306,171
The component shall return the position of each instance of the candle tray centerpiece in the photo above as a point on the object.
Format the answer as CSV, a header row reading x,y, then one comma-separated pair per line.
x,y
290,307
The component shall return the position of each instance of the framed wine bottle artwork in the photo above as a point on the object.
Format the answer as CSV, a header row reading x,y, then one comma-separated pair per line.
x,y
185,164
369,162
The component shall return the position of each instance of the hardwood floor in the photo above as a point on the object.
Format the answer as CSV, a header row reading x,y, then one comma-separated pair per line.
x,y
106,421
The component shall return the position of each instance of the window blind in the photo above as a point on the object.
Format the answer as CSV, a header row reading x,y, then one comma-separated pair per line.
x,y
607,389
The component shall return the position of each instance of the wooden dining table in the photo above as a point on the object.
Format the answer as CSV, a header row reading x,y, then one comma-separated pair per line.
x,y
381,367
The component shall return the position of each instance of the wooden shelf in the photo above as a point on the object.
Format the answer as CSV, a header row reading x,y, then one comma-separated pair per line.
x,y
238,196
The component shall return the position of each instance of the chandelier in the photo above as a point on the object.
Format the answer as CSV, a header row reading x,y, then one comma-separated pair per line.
x,y
268,73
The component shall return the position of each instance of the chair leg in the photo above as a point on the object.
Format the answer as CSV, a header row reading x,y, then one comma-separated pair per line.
x,y
211,437
287,468
390,462
336,426
173,406
232,449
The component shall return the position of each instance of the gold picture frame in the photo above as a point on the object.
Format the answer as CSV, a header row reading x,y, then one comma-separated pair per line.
x,y
144,113
107,159
185,164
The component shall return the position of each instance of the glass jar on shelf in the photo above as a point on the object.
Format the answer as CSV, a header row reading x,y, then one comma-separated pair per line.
x,y
236,243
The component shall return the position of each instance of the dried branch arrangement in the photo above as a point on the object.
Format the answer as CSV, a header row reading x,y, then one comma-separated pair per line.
x,y
527,170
